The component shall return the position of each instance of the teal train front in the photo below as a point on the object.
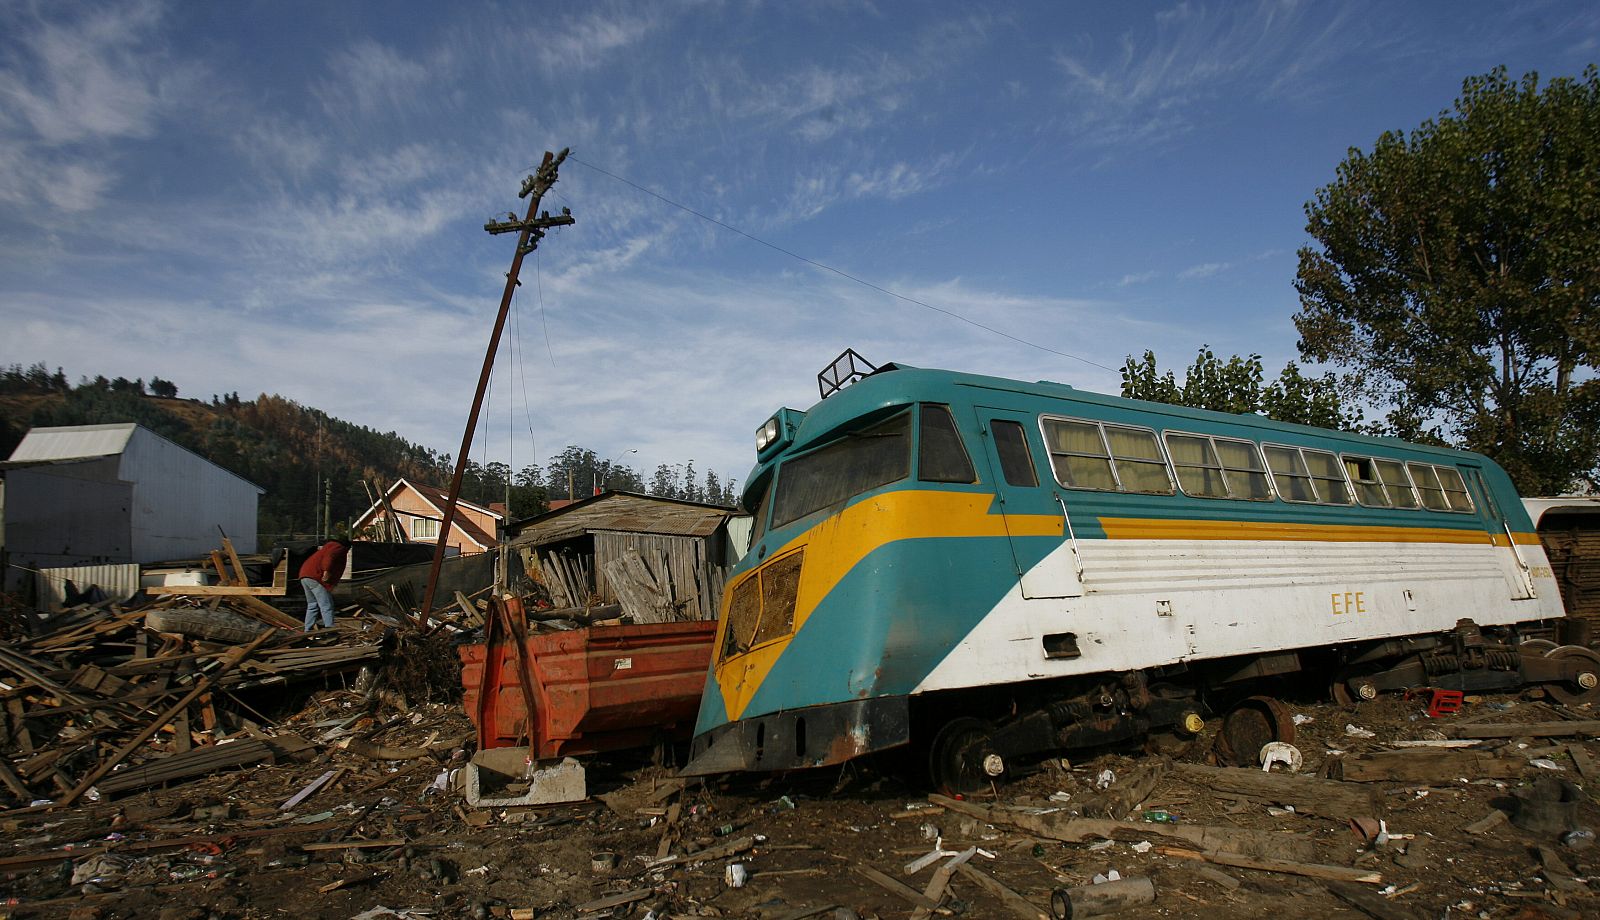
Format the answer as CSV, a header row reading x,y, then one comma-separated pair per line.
x,y
993,569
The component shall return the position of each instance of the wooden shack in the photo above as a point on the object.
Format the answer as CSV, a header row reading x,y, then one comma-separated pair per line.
x,y
661,559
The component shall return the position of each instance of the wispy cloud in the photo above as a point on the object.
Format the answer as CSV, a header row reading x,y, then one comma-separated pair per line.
x,y
1203,270
1147,84
369,78
74,87
1137,278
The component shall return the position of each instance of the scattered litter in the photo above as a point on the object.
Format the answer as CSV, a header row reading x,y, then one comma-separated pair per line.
x,y
1276,752
405,913
1061,796
736,875
926,860
1545,763
1300,719
1110,875
1356,731
1105,780
1142,846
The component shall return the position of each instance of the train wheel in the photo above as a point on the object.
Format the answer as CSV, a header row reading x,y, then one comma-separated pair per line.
x,y
961,760
1250,726
1586,689
1540,646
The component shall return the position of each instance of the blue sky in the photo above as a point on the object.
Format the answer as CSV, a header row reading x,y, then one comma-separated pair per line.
x,y
289,197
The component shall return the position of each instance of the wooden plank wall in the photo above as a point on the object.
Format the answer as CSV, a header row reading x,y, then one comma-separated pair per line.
x,y
688,583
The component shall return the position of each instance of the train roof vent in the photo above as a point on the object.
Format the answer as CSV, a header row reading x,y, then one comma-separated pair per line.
x,y
845,370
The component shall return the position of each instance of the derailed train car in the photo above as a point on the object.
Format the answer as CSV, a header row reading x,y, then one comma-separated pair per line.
x,y
993,570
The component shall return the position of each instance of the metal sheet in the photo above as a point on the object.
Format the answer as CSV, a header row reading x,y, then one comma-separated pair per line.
x,y
73,442
120,581
604,688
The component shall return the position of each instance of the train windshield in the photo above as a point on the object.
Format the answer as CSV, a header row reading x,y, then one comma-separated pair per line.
x,y
853,464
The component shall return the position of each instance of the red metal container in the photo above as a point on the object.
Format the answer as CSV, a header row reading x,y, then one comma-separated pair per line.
x,y
603,688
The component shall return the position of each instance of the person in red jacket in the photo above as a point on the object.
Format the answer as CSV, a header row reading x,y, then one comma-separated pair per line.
x,y
318,574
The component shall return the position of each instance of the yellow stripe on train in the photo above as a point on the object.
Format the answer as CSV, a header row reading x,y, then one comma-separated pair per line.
x,y
837,544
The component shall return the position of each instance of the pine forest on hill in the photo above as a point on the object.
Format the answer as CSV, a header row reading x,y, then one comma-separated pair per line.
x,y
287,449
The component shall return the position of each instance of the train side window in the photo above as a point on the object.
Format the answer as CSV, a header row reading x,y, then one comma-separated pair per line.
x,y
1289,474
1397,484
1364,475
1428,486
1079,454
1199,470
1242,467
940,455
830,475
1011,445
1327,476
1455,488
1140,465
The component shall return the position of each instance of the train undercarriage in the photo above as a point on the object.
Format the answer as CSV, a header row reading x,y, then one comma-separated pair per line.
x,y
973,738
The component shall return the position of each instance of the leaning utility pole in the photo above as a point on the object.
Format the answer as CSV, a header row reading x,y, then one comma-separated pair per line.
x,y
530,230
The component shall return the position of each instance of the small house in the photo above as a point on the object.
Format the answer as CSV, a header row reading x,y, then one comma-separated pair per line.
x,y
659,558
417,511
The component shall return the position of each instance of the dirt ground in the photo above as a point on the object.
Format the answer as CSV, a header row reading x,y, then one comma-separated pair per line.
x,y
179,853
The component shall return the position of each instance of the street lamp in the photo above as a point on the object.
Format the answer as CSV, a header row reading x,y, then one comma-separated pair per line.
x,y
610,465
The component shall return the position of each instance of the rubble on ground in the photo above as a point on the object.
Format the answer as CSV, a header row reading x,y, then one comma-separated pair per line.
x,y
322,774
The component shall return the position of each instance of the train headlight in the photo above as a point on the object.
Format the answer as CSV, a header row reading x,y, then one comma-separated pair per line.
x,y
767,434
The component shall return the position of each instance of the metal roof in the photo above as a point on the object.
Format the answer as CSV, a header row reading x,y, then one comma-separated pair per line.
x,y
73,442
627,512
1560,504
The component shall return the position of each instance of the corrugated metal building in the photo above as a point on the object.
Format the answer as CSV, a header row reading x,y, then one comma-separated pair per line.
x,y
90,494
639,550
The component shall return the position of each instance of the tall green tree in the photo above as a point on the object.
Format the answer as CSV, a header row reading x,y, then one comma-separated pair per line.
x,y
1456,275
1236,385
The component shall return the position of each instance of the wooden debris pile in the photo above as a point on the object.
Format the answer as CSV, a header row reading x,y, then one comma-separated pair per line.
x,y
108,699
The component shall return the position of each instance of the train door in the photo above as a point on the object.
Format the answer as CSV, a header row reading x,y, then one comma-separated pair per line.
x,y
1035,516
1494,521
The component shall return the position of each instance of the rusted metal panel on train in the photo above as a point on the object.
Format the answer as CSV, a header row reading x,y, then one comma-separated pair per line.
x,y
603,688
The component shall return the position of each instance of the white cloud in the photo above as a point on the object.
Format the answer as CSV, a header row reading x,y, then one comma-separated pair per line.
x,y
1145,86
369,79
72,90
1203,270
1137,278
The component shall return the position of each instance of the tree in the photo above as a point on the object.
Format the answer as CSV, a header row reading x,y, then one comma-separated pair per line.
x,y
1235,386
165,388
1456,275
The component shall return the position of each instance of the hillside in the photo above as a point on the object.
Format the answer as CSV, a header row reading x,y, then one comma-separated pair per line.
x,y
274,442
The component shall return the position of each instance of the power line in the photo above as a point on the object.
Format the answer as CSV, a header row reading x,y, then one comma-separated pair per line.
x,y
538,278
843,274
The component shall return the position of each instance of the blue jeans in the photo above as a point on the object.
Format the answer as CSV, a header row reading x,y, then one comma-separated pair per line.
x,y
317,597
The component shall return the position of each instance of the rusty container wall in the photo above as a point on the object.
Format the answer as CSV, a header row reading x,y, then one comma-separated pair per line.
x,y
603,688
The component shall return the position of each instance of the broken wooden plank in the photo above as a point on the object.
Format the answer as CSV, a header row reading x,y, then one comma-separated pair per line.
x,y
1077,830
941,881
1525,729
1308,795
1583,762
1016,903
614,900
228,662
1283,866
308,790
354,844
1369,902
234,563
1416,765
895,886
